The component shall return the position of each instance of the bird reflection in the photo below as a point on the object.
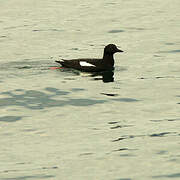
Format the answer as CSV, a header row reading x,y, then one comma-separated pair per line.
x,y
105,76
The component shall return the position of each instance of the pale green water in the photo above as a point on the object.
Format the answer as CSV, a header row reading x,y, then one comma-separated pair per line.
x,y
63,124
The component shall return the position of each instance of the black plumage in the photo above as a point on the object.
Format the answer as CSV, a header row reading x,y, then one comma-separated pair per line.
x,y
91,64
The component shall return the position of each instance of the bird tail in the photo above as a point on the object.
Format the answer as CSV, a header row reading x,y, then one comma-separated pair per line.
x,y
60,61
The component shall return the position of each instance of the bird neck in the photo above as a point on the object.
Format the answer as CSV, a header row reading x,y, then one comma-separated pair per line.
x,y
108,59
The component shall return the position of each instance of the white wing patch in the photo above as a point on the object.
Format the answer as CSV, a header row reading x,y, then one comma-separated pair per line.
x,y
61,60
84,63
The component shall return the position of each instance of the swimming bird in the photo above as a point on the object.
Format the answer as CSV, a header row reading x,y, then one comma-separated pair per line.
x,y
91,64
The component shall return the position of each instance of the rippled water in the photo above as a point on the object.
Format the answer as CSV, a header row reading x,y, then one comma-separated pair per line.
x,y
65,124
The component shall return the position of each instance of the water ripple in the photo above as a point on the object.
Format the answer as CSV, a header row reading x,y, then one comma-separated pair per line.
x,y
171,51
10,118
116,31
176,175
30,177
33,99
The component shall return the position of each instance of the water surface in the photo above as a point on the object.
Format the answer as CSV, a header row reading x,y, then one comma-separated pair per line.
x,y
65,124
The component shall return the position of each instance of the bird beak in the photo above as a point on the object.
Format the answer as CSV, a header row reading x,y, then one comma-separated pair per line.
x,y
118,50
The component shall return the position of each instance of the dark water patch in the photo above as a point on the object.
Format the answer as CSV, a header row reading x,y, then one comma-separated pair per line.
x,y
26,64
163,77
157,55
125,100
156,120
9,171
69,79
30,177
160,134
14,27
19,90
120,126
162,152
169,43
86,154
113,122
116,31
11,27
173,160
159,120
58,30
56,91
22,163
119,139
74,49
25,67
176,175
40,30
77,89
85,102
132,136
33,99
142,78
96,129
172,51
136,28
53,167
127,137
10,118
126,155
3,36
109,94
29,130
122,149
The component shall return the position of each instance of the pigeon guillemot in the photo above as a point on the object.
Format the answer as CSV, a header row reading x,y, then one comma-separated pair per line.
x,y
93,65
